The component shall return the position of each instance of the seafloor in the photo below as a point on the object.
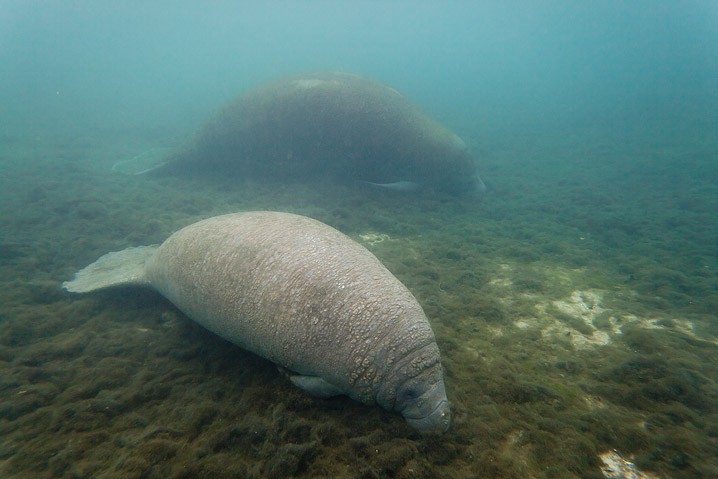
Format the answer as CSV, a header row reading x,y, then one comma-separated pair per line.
x,y
575,308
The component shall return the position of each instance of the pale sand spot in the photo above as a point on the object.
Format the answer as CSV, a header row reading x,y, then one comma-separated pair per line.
x,y
374,238
615,466
501,282
495,331
582,304
594,402
522,324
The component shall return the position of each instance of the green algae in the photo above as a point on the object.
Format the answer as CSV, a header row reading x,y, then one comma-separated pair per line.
x,y
516,287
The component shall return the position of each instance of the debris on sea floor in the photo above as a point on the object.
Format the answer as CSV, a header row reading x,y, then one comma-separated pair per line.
x,y
615,466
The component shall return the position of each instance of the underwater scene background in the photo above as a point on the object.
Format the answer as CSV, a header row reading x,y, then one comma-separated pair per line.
x,y
574,303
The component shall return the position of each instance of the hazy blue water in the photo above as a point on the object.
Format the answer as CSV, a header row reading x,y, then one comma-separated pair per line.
x,y
135,64
595,125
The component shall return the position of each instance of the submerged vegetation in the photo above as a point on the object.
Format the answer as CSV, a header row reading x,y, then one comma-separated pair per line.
x,y
575,309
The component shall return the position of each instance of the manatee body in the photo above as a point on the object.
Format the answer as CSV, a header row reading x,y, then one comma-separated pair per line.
x,y
301,294
329,125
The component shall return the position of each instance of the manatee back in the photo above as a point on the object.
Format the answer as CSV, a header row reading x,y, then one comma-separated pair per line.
x,y
327,124
297,292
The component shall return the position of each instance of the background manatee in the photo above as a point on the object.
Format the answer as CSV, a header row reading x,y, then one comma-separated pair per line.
x,y
331,124
301,294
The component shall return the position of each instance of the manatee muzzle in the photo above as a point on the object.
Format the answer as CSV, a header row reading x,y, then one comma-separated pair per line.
x,y
430,412
437,421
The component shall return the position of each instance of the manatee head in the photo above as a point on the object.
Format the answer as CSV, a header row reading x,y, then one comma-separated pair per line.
x,y
446,164
422,401
415,388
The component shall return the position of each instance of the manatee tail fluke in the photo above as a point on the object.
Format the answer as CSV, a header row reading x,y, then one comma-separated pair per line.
x,y
120,268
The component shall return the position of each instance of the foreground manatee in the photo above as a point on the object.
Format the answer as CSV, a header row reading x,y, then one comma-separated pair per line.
x,y
329,125
301,294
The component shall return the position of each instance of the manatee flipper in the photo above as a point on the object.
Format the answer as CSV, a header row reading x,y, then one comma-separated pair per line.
x,y
145,162
400,186
315,386
120,268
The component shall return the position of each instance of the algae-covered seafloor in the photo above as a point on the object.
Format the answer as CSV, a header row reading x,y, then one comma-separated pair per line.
x,y
575,308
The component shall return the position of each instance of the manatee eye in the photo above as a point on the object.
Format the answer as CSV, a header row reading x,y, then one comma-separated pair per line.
x,y
408,393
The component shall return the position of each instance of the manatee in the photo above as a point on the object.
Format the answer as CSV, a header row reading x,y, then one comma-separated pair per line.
x,y
331,125
301,294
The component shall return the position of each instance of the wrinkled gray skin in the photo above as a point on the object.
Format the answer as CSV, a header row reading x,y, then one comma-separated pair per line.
x,y
307,297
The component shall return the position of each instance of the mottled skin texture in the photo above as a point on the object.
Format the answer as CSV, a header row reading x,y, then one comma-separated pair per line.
x,y
307,297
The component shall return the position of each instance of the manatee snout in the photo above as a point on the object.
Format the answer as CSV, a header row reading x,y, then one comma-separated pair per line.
x,y
428,412
416,390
